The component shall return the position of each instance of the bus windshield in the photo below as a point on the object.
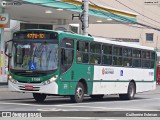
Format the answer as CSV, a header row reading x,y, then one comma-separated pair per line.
x,y
34,56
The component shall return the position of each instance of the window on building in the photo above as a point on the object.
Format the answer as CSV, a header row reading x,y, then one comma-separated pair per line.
x,y
149,36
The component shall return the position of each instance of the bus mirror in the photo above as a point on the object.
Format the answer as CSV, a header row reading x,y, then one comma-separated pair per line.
x,y
6,49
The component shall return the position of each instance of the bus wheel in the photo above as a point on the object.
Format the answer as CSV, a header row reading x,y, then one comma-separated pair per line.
x,y
79,93
96,96
130,94
39,97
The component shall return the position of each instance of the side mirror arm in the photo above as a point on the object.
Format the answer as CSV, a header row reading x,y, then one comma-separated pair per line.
x,y
6,46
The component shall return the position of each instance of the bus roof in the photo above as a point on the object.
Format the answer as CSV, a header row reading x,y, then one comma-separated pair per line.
x,y
110,41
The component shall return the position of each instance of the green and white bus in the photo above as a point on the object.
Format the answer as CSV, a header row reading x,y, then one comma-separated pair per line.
x,y
45,62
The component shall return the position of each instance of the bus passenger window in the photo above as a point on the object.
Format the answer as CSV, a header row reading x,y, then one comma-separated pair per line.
x,y
95,47
95,59
136,62
117,51
82,52
117,61
127,62
136,53
82,46
145,64
107,49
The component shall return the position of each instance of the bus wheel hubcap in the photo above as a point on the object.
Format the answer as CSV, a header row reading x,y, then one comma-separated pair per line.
x,y
79,92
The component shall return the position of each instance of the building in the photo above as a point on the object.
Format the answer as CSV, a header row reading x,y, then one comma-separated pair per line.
x,y
148,14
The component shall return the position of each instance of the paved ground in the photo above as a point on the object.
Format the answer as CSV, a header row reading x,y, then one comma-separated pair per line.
x,y
148,101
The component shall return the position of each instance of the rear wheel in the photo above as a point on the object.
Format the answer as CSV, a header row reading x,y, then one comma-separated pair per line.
x,y
39,97
79,93
130,94
96,96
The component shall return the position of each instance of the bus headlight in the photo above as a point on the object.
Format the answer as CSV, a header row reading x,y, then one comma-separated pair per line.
x,y
50,80
53,78
11,79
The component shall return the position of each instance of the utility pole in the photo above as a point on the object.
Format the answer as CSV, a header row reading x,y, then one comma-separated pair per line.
x,y
84,16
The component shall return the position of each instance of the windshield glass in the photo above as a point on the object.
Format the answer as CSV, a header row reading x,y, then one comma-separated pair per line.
x,y
35,56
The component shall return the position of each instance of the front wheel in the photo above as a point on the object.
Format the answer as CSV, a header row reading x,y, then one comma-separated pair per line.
x,y
79,93
39,97
130,94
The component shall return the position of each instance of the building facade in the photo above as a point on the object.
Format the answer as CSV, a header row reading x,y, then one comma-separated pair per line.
x,y
148,14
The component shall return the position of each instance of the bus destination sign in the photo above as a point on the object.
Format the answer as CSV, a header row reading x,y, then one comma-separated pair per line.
x,y
35,35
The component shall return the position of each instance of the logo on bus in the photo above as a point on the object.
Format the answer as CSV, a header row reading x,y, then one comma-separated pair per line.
x,y
107,71
89,70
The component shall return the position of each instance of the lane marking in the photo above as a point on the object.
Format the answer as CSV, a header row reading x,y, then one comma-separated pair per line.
x,y
20,104
56,109
89,107
106,108
109,102
87,118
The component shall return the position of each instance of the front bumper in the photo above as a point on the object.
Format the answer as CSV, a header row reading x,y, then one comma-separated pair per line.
x,y
51,88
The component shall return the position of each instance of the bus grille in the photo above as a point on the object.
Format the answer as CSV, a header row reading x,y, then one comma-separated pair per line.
x,y
34,88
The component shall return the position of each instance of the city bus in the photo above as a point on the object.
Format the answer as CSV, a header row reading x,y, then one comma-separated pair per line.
x,y
47,62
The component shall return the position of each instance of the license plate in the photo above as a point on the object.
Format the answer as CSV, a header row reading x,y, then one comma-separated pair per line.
x,y
29,87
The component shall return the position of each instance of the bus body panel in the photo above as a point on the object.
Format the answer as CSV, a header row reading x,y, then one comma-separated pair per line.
x,y
110,80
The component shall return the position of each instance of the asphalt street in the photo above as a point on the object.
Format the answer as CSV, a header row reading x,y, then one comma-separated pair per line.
x,y
10,101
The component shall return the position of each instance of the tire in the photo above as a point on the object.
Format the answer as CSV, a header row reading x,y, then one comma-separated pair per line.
x,y
79,93
39,97
130,93
98,97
